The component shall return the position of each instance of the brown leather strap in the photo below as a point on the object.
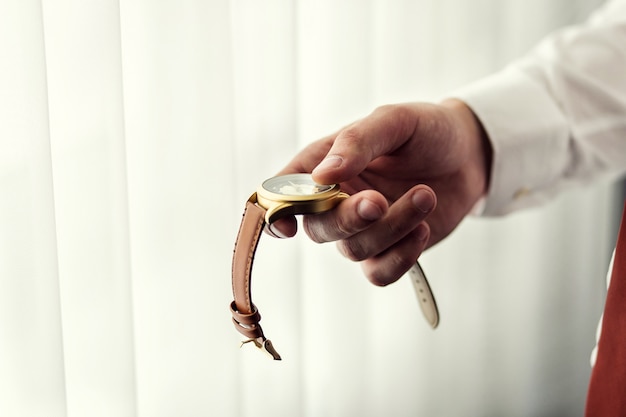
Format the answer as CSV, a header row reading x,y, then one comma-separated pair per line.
x,y
245,315
247,324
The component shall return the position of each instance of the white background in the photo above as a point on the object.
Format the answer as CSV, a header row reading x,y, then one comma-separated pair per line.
x,y
131,134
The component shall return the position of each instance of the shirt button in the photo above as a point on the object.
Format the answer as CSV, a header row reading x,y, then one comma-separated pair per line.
x,y
521,192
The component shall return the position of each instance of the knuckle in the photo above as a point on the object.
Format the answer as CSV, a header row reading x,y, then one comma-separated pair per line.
x,y
352,136
403,119
389,108
314,230
395,267
351,249
326,227
344,228
396,228
378,279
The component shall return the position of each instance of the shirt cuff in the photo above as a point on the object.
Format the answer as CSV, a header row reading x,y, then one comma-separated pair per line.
x,y
529,136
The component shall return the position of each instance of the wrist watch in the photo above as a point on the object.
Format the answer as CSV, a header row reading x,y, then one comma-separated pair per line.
x,y
277,197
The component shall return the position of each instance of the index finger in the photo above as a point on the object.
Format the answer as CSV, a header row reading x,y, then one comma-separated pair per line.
x,y
353,215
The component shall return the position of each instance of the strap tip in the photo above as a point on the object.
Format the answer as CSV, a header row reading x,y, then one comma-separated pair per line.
x,y
265,345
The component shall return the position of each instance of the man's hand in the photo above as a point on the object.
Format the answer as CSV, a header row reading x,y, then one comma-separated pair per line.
x,y
414,171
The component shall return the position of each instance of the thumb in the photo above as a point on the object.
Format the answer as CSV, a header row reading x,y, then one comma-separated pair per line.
x,y
354,147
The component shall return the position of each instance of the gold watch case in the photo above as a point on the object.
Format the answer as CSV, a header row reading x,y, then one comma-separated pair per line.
x,y
292,194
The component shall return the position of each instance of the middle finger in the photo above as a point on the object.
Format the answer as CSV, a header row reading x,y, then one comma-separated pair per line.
x,y
402,218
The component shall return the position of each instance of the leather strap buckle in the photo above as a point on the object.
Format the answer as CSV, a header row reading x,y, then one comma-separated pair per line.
x,y
265,345
248,325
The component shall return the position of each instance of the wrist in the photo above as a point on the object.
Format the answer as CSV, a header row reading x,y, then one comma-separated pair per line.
x,y
480,151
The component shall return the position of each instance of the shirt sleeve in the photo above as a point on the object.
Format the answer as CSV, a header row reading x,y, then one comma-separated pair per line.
x,y
556,117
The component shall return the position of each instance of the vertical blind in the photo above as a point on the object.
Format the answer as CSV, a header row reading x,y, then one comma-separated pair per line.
x,y
131,134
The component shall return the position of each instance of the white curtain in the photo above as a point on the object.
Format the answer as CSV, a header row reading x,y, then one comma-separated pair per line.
x,y
131,134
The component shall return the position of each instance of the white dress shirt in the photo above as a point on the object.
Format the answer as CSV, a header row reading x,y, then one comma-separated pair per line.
x,y
557,116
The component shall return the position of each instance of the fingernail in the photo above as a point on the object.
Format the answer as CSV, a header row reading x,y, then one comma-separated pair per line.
x,y
368,210
331,162
424,201
274,231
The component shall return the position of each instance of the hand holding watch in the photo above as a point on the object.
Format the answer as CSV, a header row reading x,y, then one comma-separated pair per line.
x,y
275,198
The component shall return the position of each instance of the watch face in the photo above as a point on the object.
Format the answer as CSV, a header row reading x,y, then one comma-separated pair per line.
x,y
295,185
293,194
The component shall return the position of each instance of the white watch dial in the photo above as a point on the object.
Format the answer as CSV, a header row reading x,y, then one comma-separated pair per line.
x,y
295,184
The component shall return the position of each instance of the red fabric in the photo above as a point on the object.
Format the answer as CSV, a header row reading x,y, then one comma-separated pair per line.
x,y
607,388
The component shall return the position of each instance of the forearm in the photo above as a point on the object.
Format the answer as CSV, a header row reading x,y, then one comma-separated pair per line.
x,y
557,117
